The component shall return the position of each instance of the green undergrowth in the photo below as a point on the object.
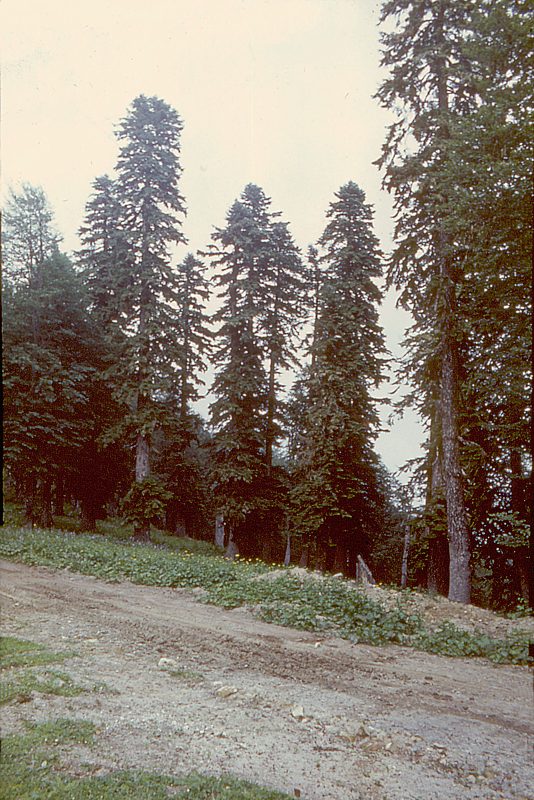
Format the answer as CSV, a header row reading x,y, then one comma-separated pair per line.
x,y
113,528
327,605
24,670
32,768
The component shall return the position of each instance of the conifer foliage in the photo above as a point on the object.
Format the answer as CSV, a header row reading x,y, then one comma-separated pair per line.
x,y
336,494
151,206
259,273
104,254
457,161
131,229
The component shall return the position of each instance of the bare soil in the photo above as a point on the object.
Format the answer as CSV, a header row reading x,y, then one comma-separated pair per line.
x,y
193,687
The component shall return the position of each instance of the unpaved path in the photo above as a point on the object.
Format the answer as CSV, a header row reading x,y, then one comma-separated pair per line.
x,y
334,720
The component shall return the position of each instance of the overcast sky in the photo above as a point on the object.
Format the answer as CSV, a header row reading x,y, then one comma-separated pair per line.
x,y
273,92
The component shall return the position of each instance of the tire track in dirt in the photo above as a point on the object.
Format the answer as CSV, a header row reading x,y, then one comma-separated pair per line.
x,y
330,718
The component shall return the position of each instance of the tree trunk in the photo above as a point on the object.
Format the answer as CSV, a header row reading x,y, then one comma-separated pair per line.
x,y
352,558
219,531
522,569
59,495
142,458
271,394
304,556
269,425
437,577
287,557
232,549
405,552
521,554
329,555
459,549
29,500
498,579
363,573
265,552
88,517
142,471
44,517
142,453
341,555
458,533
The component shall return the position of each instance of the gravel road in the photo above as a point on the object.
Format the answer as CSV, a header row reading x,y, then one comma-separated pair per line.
x,y
194,687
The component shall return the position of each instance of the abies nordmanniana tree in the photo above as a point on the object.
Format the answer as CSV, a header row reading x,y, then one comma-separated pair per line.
x,y
180,459
258,271
104,257
428,81
336,494
490,176
131,227
455,161
193,335
151,207
280,322
240,385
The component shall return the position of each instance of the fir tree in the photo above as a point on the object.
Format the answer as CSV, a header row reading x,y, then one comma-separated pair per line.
x,y
336,494
429,80
104,257
280,324
458,78
240,385
131,230
194,336
260,273
148,171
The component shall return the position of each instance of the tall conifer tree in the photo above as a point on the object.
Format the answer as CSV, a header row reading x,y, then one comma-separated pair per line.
x,y
260,273
240,386
336,491
455,162
148,171
429,80
193,334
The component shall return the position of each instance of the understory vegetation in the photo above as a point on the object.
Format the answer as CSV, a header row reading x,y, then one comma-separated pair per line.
x,y
323,604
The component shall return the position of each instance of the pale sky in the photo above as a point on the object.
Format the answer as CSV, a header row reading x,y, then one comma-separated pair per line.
x,y
273,92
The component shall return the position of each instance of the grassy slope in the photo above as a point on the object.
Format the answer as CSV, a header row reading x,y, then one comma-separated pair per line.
x,y
327,605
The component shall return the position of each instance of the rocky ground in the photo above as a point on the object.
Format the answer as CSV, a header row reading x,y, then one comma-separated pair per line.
x,y
188,686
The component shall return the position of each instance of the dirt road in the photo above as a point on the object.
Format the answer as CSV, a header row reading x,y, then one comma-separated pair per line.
x,y
279,707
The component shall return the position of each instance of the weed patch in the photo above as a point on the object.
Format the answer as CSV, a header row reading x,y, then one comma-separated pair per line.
x,y
24,670
21,653
186,675
21,685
